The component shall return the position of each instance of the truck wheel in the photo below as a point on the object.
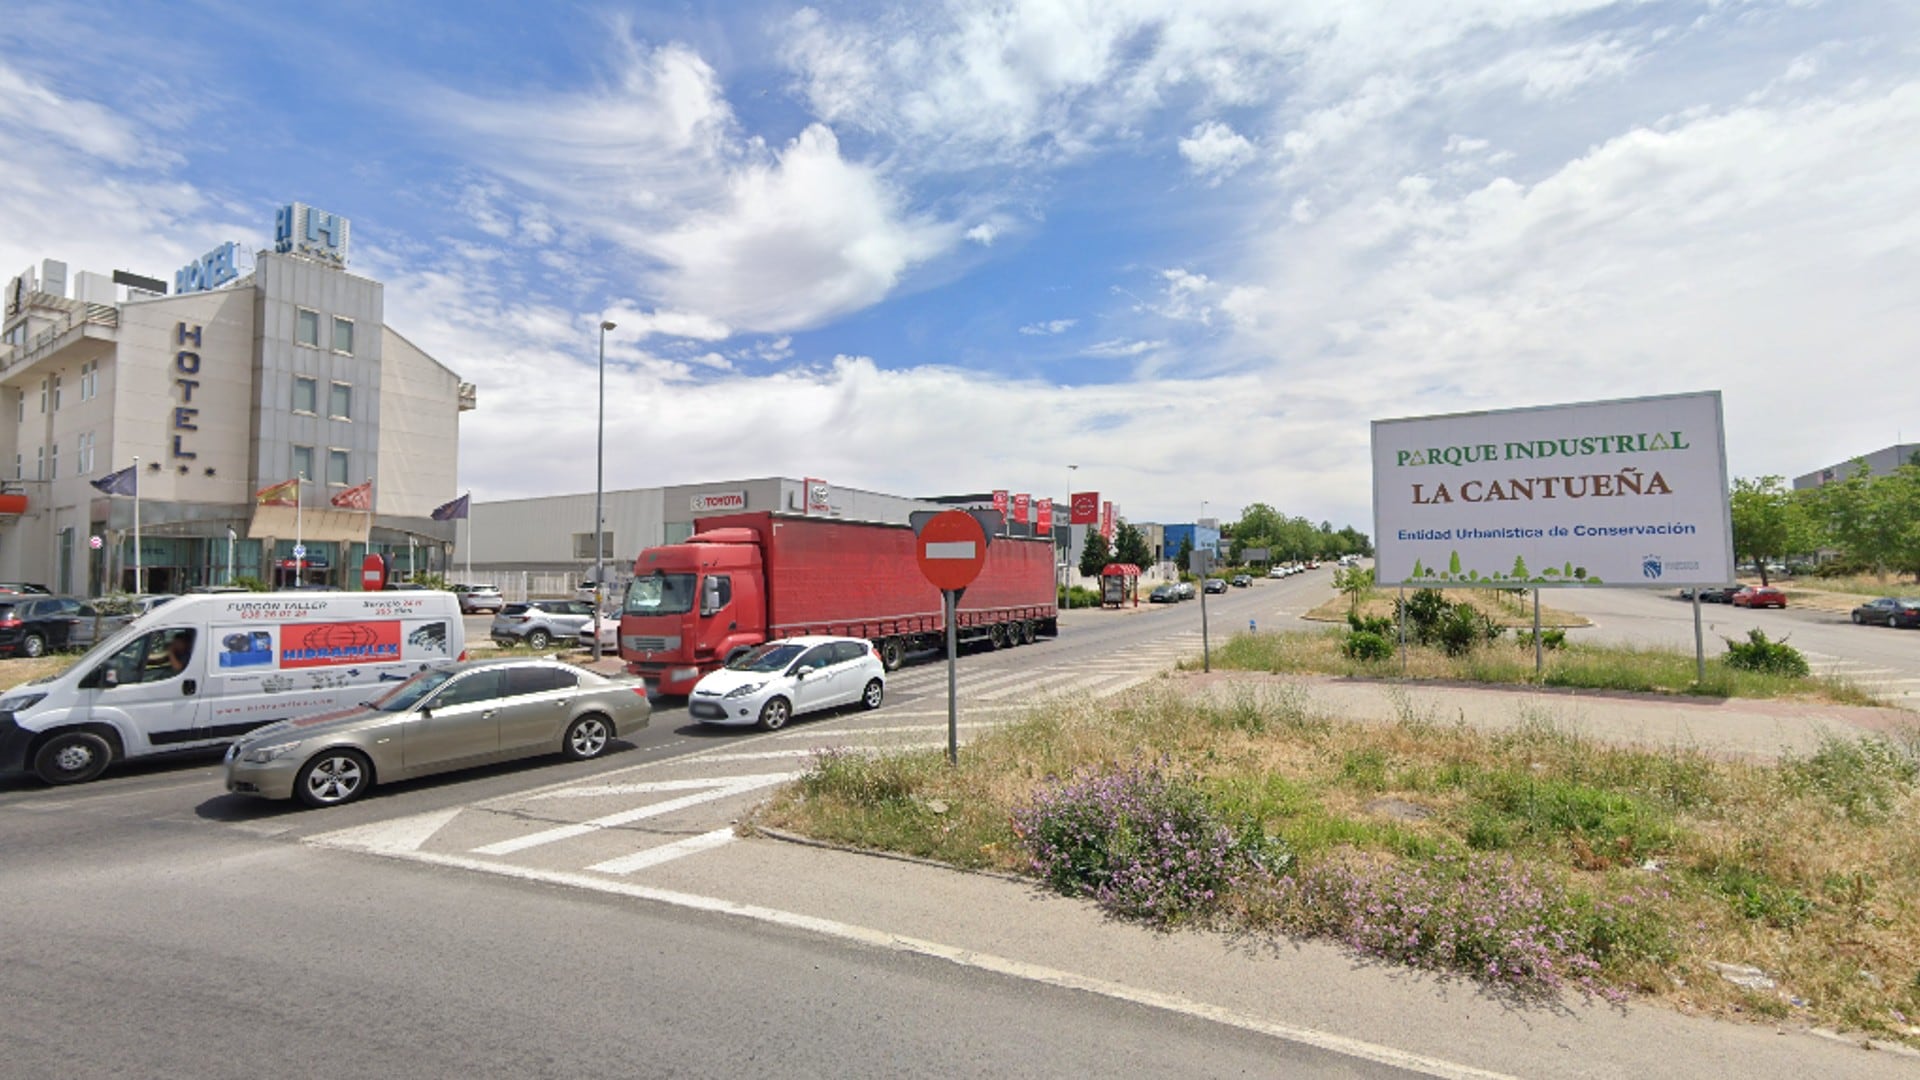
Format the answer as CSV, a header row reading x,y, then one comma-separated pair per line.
x,y
1026,633
996,636
774,714
72,757
539,639
891,653
33,645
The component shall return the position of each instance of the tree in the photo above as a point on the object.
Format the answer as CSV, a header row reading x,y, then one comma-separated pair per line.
x,y
1767,521
1355,582
1095,556
1184,560
1130,546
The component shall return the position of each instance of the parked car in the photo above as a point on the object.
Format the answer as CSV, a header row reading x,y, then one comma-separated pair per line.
x,y
1759,596
477,598
609,634
1185,590
1242,581
24,587
540,623
33,625
1888,611
1717,595
774,682
1907,614
474,713
1164,594
216,589
1215,584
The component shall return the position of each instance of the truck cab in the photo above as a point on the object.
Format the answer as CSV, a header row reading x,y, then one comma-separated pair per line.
x,y
692,606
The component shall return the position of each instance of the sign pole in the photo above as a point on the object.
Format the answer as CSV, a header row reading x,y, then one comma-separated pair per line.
x,y
1699,642
1400,609
1206,649
953,679
139,579
1539,655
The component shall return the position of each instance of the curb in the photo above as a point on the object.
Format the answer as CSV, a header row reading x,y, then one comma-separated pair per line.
x,y
749,828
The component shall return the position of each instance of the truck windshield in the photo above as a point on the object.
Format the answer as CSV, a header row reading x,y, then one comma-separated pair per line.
x,y
660,594
773,656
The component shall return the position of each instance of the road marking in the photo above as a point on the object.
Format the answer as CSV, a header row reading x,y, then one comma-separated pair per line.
x,y
970,958
721,788
401,836
903,729
654,856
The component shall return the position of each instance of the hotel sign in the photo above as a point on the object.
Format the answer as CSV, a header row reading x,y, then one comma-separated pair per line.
x,y
299,229
209,271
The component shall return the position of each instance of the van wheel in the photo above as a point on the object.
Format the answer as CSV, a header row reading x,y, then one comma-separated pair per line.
x,y
774,714
72,757
539,639
891,653
333,778
33,645
875,693
586,737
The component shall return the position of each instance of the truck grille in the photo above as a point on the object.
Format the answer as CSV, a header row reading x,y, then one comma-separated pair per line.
x,y
637,643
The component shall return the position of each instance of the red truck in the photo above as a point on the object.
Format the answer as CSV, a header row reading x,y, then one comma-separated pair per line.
x,y
747,578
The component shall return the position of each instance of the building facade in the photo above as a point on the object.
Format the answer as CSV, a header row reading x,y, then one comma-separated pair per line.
x,y
1879,463
242,378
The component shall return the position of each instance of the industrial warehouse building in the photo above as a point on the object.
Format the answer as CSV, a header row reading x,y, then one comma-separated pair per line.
x,y
242,378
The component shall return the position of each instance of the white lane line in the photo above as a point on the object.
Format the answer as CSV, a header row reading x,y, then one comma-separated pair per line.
x,y
654,856
970,958
648,787
733,785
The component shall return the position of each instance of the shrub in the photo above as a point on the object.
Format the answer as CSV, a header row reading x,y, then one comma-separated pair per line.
x,y
252,584
1371,624
1767,657
1488,916
1863,778
1422,612
1141,843
1549,639
1367,646
1462,628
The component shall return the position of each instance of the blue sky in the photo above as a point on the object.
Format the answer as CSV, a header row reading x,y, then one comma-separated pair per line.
x,y
1191,247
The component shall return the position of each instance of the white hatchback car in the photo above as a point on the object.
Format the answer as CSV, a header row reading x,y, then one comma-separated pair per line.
x,y
782,679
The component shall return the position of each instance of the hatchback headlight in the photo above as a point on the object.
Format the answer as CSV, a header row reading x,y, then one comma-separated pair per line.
x,y
745,689
262,754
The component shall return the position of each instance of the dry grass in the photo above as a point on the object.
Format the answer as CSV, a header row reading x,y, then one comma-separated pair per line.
x,y
1649,669
1868,585
1808,869
1505,609
16,671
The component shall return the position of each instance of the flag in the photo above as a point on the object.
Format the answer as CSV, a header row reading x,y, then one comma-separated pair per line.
x,y
124,482
358,497
284,493
1106,520
454,510
1043,517
1086,508
1021,503
1000,503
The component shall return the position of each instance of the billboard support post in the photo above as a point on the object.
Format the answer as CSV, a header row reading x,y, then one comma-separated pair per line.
x,y
1699,643
1539,651
1400,609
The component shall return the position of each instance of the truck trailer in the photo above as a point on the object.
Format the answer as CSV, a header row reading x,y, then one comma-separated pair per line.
x,y
744,579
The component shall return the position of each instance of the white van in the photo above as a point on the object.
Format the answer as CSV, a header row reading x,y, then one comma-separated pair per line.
x,y
204,670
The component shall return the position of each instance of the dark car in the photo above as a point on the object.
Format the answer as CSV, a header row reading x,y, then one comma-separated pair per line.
x,y
1907,614
1242,581
25,587
1161,594
1717,595
34,625
1888,611
1215,584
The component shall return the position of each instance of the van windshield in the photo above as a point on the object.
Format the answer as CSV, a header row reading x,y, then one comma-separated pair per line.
x,y
408,694
660,594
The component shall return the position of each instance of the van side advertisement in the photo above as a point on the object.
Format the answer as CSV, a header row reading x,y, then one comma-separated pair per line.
x,y
1626,493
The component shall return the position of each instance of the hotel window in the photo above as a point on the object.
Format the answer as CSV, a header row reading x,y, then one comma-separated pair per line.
x,y
39,463
306,327
306,395
342,335
303,461
53,463
56,393
340,402
337,468
43,397
85,465
89,380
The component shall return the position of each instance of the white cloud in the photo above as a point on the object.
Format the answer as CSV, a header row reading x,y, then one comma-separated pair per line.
x,y
984,234
1051,326
1215,151
1121,349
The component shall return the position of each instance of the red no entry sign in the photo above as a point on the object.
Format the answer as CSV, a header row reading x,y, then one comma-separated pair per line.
x,y
953,548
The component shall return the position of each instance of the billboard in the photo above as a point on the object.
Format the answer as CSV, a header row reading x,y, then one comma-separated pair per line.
x,y
1606,493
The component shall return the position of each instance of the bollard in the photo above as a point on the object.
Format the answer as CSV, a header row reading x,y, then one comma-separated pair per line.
x,y
1252,627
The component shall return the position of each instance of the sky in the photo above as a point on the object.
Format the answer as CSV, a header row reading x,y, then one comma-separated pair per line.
x,y
1192,247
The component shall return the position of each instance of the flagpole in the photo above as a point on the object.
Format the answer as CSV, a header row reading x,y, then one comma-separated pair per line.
x,y
469,537
299,542
139,579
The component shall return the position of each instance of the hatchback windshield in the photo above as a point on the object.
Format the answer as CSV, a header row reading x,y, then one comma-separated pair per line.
x,y
660,594
407,694
773,656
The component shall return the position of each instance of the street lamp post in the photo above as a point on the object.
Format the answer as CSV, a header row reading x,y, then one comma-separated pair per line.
x,y
599,482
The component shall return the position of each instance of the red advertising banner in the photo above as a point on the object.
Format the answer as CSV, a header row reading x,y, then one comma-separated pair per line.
x,y
1021,504
1106,520
1043,517
1085,509
1000,504
305,645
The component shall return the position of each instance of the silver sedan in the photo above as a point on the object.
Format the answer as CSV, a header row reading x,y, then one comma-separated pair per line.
x,y
475,713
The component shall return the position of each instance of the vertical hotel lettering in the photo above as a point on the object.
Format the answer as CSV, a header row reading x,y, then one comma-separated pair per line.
x,y
186,369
